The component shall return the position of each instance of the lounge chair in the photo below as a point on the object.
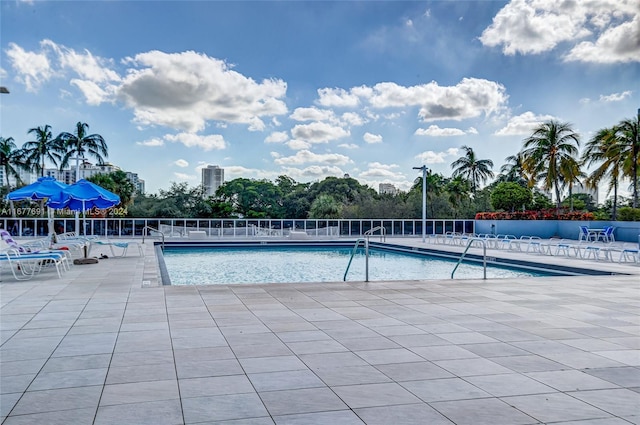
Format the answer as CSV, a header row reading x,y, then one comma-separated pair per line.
x,y
123,245
35,247
31,263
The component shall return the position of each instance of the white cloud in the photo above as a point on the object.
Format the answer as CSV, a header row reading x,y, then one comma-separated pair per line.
x,y
183,176
469,98
277,137
472,130
523,124
313,172
318,132
372,138
306,156
348,146
210,142
337,98
181,163
435,131
32,69
619,43
297,144
536,26
151,142
185,90
615,97
312,114
352,118
431,157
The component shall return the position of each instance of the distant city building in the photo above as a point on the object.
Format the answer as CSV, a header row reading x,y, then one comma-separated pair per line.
x,y
387,188
68,176
26,177
584,189
212,179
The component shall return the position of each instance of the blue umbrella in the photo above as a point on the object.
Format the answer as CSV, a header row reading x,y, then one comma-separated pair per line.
x,y
84,195
44,188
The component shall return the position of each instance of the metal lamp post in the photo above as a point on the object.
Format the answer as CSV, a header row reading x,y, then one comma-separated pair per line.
x,y
424,201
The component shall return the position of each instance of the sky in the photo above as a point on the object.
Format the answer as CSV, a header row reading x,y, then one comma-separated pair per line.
x,y
312,89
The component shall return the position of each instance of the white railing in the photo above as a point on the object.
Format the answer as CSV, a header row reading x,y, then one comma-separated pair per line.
x,y
230,228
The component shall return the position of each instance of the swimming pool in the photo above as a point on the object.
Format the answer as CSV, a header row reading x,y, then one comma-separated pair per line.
x,y
266,263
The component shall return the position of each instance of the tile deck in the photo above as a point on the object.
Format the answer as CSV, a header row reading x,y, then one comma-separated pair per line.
x,y
107,344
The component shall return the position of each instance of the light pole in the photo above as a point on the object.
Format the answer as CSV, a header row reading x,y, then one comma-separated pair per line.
x,y
424,201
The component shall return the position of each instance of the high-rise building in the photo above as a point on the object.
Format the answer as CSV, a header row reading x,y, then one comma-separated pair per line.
x,y
387,188
212,179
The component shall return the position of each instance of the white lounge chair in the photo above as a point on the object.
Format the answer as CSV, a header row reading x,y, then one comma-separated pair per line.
x,y
123,245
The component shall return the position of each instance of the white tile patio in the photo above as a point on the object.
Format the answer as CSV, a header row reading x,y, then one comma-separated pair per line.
x,y
107,344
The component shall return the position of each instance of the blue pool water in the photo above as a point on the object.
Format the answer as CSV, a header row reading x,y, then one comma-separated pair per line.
x,y
211,266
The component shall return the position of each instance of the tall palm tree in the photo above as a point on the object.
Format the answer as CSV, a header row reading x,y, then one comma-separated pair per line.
x,y
11,159
630,139
80,145
552,144
605,149
473,169
43,148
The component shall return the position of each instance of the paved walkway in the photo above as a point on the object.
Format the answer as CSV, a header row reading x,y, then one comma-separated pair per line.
x,y
106,345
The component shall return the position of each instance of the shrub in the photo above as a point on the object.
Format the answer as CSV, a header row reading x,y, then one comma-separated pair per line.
x,y
549,214
628,214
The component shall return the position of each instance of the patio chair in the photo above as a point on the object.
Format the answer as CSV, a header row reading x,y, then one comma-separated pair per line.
x,y
584,234
606,235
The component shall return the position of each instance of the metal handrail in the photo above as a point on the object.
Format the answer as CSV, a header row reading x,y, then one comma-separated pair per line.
x,y
383,233
484,255
366,254
145,232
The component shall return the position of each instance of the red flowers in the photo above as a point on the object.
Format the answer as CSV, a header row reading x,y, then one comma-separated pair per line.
x,y
550,214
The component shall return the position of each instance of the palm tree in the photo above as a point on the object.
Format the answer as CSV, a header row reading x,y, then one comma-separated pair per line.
x,y
630,139
605,149
80,144
473,169
570,174
458,191
11,159
551,145
43,148
513,170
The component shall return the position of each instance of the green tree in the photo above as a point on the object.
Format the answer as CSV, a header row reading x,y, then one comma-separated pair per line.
x,y
551,145
252,198
513,170
630,139
80,145
606,150
118,183
11,160
458,190
473,169
510,196
570,175
324,206
44,147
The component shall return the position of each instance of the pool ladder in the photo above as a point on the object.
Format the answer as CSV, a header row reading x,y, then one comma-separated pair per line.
x,y
484,255
365,240
147,229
